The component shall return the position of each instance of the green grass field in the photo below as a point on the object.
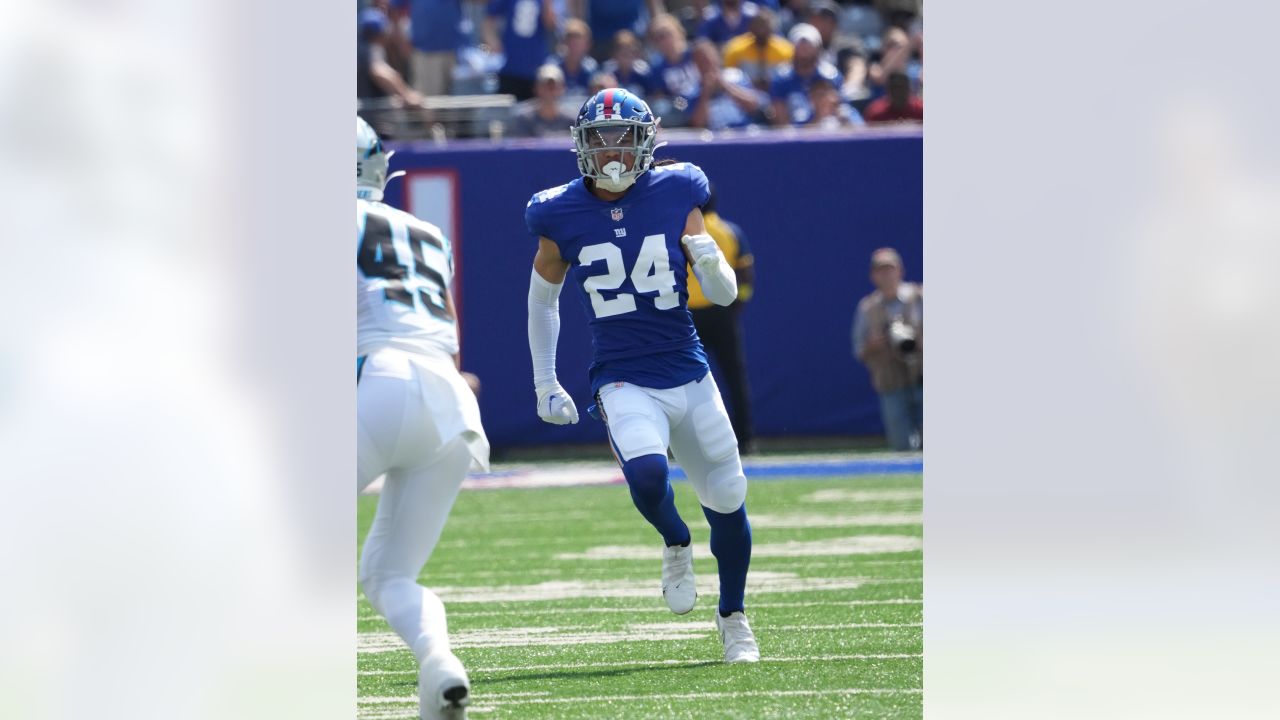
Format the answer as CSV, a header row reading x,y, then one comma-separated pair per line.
x,y
834,597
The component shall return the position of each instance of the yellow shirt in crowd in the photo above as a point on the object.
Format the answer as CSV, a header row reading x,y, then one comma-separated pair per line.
x,y
743,53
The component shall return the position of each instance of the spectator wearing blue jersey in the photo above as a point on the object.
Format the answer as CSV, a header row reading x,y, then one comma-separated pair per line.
x,y
790,86
607,17
677,80
726,98
625,237
577,65
730,20
628,66
528,31
436,31
830,112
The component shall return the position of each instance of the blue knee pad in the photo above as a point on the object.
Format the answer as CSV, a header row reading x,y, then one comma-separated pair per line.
x,y
652,494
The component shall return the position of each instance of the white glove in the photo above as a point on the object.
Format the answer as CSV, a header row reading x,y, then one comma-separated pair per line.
x,y
702,249
555,406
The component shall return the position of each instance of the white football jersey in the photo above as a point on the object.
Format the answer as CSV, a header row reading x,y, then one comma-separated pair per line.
x,y
404,270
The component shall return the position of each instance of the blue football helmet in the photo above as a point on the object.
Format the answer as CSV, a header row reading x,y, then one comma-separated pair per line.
x,y
615,121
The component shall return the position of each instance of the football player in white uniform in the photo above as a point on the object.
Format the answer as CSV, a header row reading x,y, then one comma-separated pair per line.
x,y
418,420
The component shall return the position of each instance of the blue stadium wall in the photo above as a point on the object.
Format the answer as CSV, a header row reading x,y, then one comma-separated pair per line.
x,y
813,210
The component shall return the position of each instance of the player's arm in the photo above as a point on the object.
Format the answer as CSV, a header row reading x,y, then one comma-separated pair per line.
x,y
712,270
549,270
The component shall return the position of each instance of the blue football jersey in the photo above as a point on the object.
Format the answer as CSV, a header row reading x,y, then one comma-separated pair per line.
x,y
629,268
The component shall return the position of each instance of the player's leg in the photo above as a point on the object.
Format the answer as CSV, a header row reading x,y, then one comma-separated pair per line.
x,y
704,445
638,432
412,511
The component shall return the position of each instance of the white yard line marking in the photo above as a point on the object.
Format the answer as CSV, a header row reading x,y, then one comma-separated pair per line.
x,y
861,496
487,701
656,609
758,583
706,695
380,642
659,663
855,545
814,520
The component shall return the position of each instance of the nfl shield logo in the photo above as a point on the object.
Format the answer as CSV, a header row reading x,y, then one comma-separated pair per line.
x,y
616,214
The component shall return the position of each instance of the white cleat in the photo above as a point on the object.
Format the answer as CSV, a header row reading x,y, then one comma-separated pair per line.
x,y
677,578
443,687
739,641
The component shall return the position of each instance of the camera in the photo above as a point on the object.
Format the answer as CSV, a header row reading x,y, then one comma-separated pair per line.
x,y
902,336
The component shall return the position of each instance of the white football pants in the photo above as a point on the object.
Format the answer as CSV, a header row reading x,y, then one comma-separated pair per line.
x,y
403,431
692,421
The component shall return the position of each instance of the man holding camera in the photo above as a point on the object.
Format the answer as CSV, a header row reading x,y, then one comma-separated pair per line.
x,y
888,337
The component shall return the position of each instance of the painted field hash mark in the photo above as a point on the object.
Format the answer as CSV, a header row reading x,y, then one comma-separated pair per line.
x,y
555,607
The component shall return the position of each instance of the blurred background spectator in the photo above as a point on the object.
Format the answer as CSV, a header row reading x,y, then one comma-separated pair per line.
x,y
577,65
829,111
677,79
899,104
543,116
528,36
760,51
790,86
436,31
375,77
729,20
628,64
720,328
888,338
607,17
726,97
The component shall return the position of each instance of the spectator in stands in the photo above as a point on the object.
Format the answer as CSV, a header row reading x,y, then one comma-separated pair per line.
x,y
543,116
894,56
676,77
759,52
577,65
529,27
601,81
830,112
375,78
851,61
397,43
629,66
825,16
728,21
437,35
898,105
607,17
888,338
790,86
721,327
726,98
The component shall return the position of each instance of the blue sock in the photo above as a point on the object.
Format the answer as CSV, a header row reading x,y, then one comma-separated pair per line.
x,y
651,492
731,544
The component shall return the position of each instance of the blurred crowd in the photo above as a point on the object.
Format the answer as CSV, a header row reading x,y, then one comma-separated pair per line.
x,y
699,63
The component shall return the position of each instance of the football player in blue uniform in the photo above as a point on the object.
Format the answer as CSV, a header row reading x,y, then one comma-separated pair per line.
x,y
623,233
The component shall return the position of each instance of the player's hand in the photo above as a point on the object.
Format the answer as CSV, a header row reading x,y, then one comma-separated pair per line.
x,y
555,406
702,249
